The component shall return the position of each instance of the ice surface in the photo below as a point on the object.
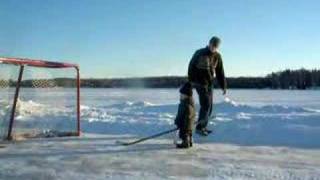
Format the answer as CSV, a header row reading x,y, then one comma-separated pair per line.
x,y
253,138
98,157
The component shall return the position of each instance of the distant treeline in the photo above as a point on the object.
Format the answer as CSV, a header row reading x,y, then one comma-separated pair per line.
x,y
294,79
288,79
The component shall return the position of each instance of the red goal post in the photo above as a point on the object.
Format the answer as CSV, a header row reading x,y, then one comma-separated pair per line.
x,y
24,62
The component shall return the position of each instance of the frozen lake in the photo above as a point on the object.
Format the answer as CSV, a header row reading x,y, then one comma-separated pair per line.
x,y
309,98
259,134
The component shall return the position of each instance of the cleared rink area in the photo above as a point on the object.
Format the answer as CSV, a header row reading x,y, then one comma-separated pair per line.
x,y
100,157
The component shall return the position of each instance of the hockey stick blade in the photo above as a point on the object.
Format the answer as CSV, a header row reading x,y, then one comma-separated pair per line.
x,y
122,143
146,138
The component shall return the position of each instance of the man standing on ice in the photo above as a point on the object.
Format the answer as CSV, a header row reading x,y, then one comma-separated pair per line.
x,y
205,64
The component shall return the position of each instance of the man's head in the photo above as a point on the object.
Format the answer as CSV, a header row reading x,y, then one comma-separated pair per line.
x,y
214,44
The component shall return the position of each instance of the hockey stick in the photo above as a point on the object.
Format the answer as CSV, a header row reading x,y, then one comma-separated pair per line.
x,y
151,137
156,135
147,138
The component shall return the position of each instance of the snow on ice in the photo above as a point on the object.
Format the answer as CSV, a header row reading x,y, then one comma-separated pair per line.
x,y
250,141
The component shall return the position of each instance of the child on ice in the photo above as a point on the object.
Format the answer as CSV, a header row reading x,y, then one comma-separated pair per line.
x,y
185,116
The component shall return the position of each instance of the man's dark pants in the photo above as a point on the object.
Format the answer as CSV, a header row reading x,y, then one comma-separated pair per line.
x,y
206,102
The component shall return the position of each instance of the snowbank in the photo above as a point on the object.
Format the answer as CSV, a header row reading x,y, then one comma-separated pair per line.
x,y
235,123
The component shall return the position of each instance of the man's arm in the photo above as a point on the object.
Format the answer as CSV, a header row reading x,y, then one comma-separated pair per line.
x,y
220,74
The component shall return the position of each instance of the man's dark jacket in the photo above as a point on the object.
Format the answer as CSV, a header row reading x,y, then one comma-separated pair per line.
x,y
203,65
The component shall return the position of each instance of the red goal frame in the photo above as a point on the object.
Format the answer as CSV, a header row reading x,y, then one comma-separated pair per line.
x,y
22,62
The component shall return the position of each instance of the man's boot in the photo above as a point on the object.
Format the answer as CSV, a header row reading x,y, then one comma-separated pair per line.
x,y
208,130
203,131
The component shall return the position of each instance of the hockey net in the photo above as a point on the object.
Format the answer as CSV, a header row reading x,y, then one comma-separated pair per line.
x,y
39,99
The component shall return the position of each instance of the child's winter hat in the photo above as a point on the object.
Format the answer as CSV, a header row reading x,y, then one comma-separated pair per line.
x,y
186,89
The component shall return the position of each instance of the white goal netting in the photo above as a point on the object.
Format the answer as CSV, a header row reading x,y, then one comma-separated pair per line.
x,y
47,101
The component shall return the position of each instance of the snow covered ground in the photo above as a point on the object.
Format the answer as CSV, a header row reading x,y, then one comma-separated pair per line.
x,y
258,134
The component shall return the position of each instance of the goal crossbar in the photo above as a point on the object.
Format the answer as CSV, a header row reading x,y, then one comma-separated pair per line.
x,y
37,63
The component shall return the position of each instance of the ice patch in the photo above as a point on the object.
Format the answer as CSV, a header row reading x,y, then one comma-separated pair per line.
x,y
229,101
243,115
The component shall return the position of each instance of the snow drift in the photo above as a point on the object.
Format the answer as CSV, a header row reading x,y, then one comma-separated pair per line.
x,y
236,123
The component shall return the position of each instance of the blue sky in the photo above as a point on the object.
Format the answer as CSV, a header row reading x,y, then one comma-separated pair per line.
x,y
158,37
